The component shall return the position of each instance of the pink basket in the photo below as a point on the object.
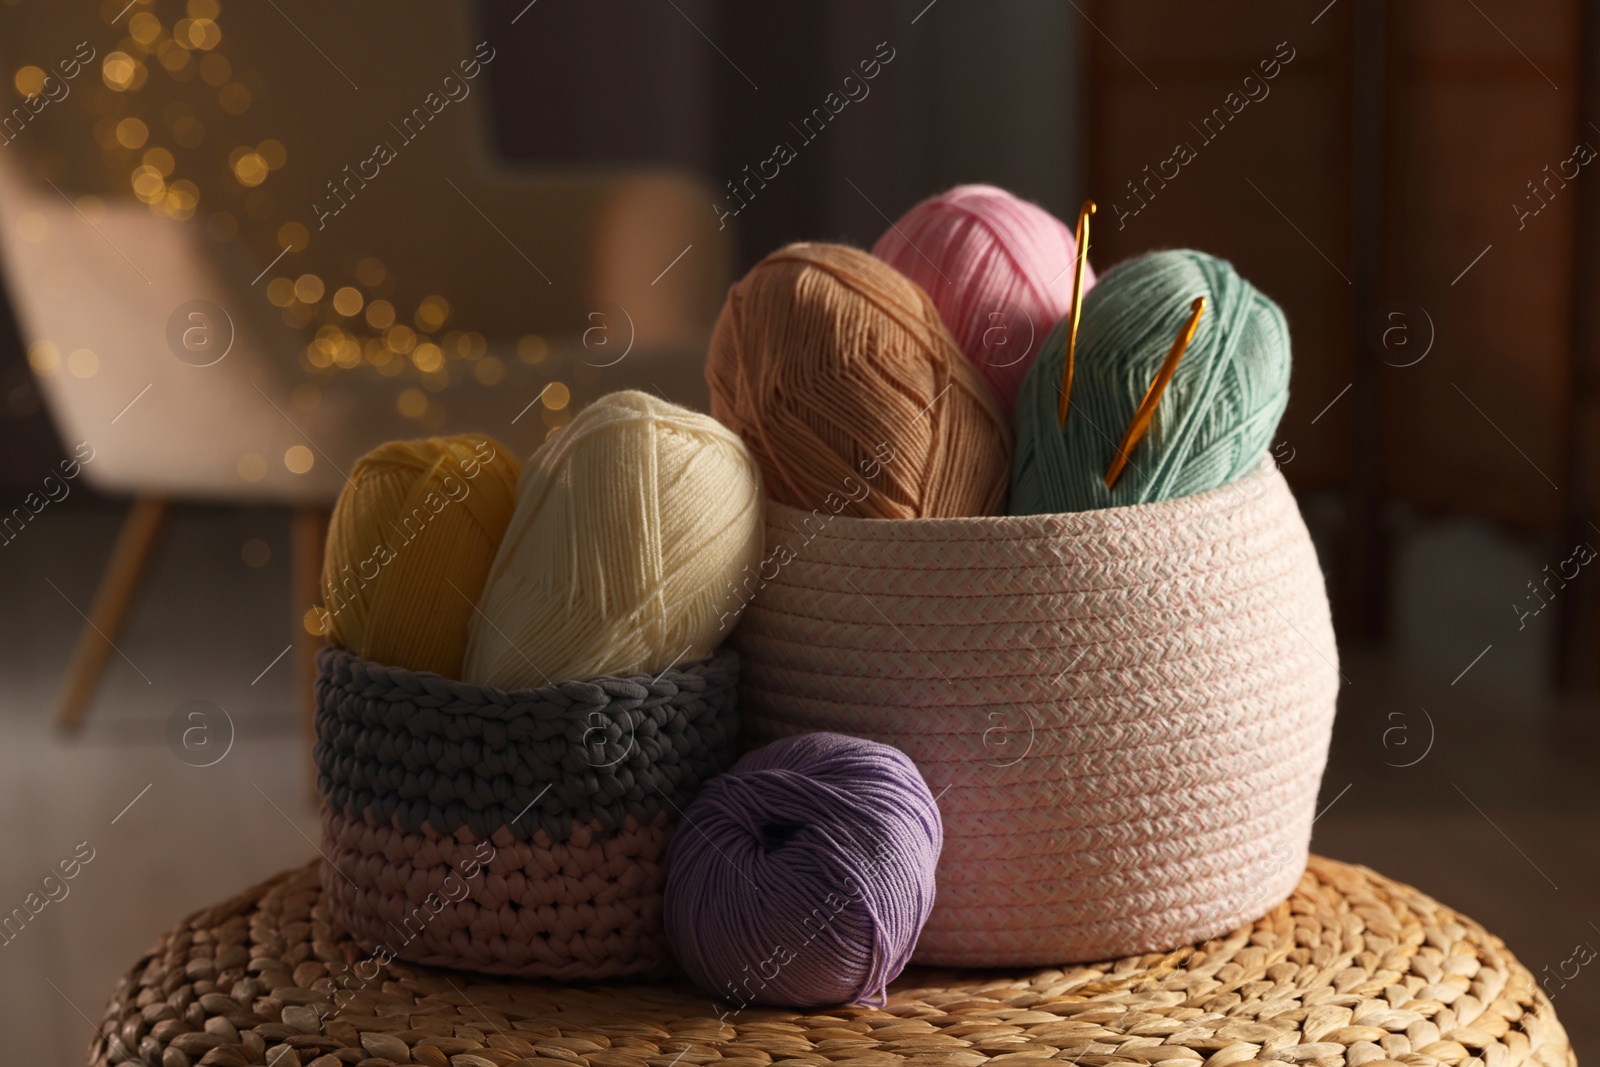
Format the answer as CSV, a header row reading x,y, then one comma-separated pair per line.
x,y
1124,713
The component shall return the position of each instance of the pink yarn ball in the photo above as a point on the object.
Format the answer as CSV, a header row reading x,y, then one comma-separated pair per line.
x,y
998,268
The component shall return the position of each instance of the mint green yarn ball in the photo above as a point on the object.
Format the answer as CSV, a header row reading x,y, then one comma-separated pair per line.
x,y
1216,419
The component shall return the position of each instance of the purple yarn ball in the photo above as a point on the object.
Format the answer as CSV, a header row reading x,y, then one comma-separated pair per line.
x,y
804,874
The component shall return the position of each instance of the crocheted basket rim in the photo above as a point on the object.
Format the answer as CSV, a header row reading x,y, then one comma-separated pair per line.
x,y
578,691
1054,524
418,748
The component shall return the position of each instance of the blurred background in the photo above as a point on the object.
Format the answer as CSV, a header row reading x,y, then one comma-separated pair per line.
x,y
242,243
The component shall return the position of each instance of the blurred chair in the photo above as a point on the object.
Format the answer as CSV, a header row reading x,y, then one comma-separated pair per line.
x,y
195,375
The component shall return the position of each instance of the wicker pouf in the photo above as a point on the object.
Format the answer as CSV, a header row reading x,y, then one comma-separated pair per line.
x,y
1352,969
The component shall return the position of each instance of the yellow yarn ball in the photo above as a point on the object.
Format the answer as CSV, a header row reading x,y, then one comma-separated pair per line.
x,y
410,544
631,525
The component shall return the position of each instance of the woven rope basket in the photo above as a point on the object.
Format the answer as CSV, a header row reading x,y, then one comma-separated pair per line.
x,y
512,833
1124,713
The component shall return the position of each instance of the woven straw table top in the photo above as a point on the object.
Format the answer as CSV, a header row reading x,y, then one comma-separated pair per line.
x,y
1352,969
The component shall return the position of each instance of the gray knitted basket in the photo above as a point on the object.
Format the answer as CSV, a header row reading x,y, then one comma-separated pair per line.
x,y
513,833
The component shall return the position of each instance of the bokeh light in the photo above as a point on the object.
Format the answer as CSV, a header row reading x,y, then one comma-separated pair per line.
x,y
44,357
370,272
308,288
120,71
132,133
400,338
432,313
357,322
273,152
348,301
249,168
252,467
148,184
144,28
83,363
489,371
532,348
427,357
412,403
234,98
299,459
215,70
293,236
29,81
160,160
380,314
281,292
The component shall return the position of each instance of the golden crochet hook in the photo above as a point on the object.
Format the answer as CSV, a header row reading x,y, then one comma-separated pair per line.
x,y
1147,407
1063,400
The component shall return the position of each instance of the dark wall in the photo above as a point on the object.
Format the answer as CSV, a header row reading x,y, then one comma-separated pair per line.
x,y
971,93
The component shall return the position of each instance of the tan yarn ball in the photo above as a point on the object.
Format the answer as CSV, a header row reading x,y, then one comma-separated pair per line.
x,y
410,544
838,373
631,525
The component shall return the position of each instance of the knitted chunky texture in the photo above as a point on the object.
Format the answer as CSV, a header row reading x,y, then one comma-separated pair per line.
x,y
585,908
1124,713
566,797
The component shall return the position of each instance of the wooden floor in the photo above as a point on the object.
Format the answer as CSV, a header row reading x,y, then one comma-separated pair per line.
x,y
1498,819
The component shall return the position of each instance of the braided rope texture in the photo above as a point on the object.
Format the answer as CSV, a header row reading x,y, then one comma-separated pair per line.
x,y
1353,970
518,833
1125,713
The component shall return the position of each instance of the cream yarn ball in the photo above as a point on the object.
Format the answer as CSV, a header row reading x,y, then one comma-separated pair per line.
x,y
631,527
